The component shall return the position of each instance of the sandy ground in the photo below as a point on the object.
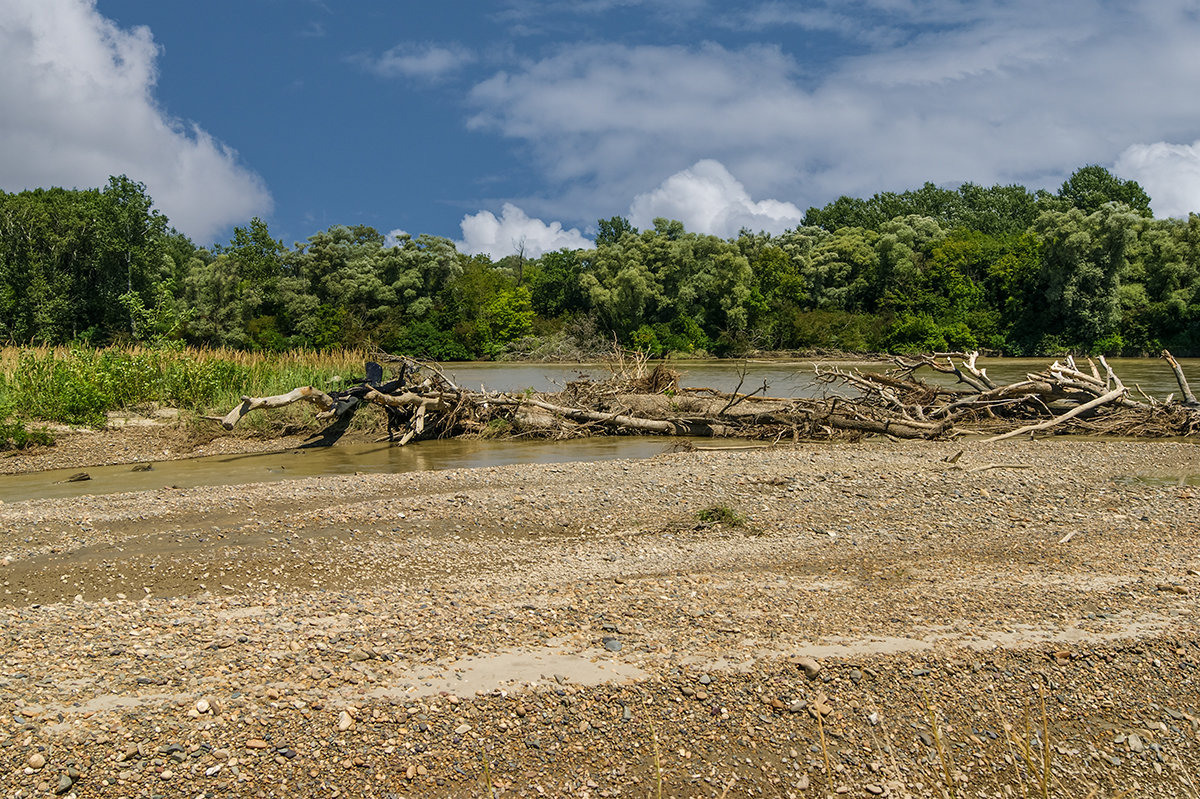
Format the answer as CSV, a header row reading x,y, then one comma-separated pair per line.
x,y
866,619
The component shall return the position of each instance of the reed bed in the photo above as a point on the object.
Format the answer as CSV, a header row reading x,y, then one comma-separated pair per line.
x,y
77,385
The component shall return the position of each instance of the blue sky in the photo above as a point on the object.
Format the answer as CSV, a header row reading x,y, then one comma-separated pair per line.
x,y
524,121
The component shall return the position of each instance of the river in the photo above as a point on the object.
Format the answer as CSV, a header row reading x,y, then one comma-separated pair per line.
x,y
783,378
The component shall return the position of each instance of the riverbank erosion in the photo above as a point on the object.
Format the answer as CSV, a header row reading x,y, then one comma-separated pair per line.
x,y
871,618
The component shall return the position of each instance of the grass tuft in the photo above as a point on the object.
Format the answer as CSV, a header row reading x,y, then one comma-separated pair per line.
x,y
722,515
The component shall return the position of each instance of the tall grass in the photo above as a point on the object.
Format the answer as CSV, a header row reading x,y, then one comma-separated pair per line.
x,y
75,385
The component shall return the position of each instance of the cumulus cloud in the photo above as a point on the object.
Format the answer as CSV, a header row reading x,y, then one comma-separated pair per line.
x,y
420,60
1170,174
77,105
514,229
706,198
1021,91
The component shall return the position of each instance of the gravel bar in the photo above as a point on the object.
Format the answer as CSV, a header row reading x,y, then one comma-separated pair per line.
x,y
862,619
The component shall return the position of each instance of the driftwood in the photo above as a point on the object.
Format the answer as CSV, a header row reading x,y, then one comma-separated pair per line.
x,y
421,402
318,398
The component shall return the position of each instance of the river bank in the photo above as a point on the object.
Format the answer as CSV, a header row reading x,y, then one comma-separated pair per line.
x,y
579,629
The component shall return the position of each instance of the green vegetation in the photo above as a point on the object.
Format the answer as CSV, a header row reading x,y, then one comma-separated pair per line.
x,y
721,514
15,435
76,385
1086,269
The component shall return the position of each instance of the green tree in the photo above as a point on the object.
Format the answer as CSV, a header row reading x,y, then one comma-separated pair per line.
x,y
1091,187
1083,259
611,230
554,283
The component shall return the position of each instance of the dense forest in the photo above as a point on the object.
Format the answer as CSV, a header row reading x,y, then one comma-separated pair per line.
x,y
1086,269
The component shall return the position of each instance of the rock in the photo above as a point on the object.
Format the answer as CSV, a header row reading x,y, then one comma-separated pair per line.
x,y
820,707
345,721
64,784
202,706
257,743
873,789
37,761
810,666
612,644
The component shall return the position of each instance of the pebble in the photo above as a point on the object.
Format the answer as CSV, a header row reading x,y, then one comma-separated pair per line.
x,y
810,666
434,597
612,644
37,761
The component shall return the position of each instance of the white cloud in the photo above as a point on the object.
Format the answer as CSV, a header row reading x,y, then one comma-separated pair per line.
x,y
484,233
393,237
707,199
76,105
1021,91
1170,174
420,60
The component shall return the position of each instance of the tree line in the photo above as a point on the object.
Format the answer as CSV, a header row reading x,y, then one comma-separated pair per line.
x,y
1018,272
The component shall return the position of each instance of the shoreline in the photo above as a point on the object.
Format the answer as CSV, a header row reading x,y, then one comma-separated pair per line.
x,y
576,629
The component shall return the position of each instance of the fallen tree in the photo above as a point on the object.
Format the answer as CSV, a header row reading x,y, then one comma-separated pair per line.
x,y
421,402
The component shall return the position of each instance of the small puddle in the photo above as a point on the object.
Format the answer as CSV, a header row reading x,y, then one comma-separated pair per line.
x,y
352,459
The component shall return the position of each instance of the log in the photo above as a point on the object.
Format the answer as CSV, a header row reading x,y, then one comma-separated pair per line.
x,y
678,427
1188,397
1071,414
315,396
895,404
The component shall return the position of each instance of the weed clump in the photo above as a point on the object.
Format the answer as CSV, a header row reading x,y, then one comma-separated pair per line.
x,y
722,515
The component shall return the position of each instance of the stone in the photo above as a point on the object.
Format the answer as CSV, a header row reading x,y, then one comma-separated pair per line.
x,y
345,721
612,644
810,666
37,761
257,743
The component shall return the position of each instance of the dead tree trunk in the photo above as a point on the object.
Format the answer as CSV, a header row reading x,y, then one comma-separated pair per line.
x,y
1061,398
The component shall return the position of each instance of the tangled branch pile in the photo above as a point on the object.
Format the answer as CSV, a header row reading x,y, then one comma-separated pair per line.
x,y
421,402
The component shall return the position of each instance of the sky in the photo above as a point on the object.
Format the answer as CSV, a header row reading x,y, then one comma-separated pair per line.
x,y
512,125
